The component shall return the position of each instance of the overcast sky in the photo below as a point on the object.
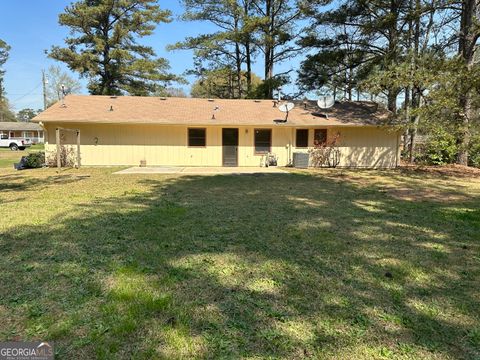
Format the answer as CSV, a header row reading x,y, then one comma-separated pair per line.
x,y
31,26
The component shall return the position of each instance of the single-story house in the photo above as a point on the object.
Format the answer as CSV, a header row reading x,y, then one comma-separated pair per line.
x,y
22,130
127,130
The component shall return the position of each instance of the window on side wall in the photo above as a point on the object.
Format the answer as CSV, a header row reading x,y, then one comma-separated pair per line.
x,y
197,137
320,137
263,141
301,138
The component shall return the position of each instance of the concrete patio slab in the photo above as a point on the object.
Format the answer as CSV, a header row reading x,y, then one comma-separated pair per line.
x,y
151,170
202,170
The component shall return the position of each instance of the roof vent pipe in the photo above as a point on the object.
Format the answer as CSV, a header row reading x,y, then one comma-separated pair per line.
x,y
214,111
111,107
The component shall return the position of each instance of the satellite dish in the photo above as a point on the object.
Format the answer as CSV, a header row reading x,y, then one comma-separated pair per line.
x,y
287,107
326,102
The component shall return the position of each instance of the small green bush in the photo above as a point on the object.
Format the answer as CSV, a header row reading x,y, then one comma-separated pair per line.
x,y
440,149
35,160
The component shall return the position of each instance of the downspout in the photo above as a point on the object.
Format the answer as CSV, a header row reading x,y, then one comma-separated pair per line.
x,y
290,156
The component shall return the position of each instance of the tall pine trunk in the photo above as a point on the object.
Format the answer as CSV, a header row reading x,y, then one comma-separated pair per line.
x,y
416,92
248,60
269,50
238,71
238,62
391,57
248,48
466,47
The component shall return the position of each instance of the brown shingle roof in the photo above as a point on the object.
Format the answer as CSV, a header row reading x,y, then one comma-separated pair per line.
x,y
19,126
188,111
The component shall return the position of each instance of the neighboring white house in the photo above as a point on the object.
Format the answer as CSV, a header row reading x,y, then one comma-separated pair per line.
x,y
22,130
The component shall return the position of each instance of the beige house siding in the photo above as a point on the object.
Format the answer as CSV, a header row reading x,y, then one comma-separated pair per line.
x,y
112,144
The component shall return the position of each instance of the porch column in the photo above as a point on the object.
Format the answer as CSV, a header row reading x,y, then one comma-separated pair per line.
x,y
57,140
78,149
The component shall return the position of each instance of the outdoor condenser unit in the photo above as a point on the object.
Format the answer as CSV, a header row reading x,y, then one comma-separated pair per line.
x,y
300,160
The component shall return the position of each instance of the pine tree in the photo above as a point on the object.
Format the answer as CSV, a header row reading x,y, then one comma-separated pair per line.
x,y
4,53
222,84
366,37
5,112
231,47
469,33
246,28
276,21
103,46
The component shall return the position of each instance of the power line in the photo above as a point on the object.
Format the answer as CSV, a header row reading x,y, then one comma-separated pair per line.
x,y
21,94
26,94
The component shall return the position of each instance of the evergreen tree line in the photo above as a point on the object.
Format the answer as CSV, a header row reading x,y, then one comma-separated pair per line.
x,y
419,54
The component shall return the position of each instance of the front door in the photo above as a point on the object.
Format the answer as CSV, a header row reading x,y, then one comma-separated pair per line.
x,y
230,147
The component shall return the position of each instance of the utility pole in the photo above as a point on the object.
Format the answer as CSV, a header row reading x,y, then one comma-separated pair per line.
x,y
44,83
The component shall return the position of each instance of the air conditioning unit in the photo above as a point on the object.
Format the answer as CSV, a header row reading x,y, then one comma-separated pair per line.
x,y
301,160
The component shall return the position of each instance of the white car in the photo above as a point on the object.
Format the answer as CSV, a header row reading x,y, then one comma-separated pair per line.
x,y
14,143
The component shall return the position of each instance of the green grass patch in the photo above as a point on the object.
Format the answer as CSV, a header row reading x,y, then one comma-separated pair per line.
x,y
8,157
331,264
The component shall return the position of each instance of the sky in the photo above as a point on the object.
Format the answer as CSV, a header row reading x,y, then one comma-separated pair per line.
x,y
31,26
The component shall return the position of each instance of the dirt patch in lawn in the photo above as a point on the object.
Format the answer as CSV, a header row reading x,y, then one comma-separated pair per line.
x,y
409,194
435,184
444,171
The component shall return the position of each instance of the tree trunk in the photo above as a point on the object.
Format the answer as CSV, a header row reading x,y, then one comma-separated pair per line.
x,y
349,84
238,62
464,134
392,53
392,100
416,92
416,96
466,47
248,50
269,51
238,70
407,134
248,59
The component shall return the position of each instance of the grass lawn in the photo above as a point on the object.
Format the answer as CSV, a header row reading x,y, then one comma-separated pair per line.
x,y
8,157
329,265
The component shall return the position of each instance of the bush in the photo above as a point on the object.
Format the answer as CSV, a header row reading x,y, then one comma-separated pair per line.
x,y
439,149
35,160
67,157
326,154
